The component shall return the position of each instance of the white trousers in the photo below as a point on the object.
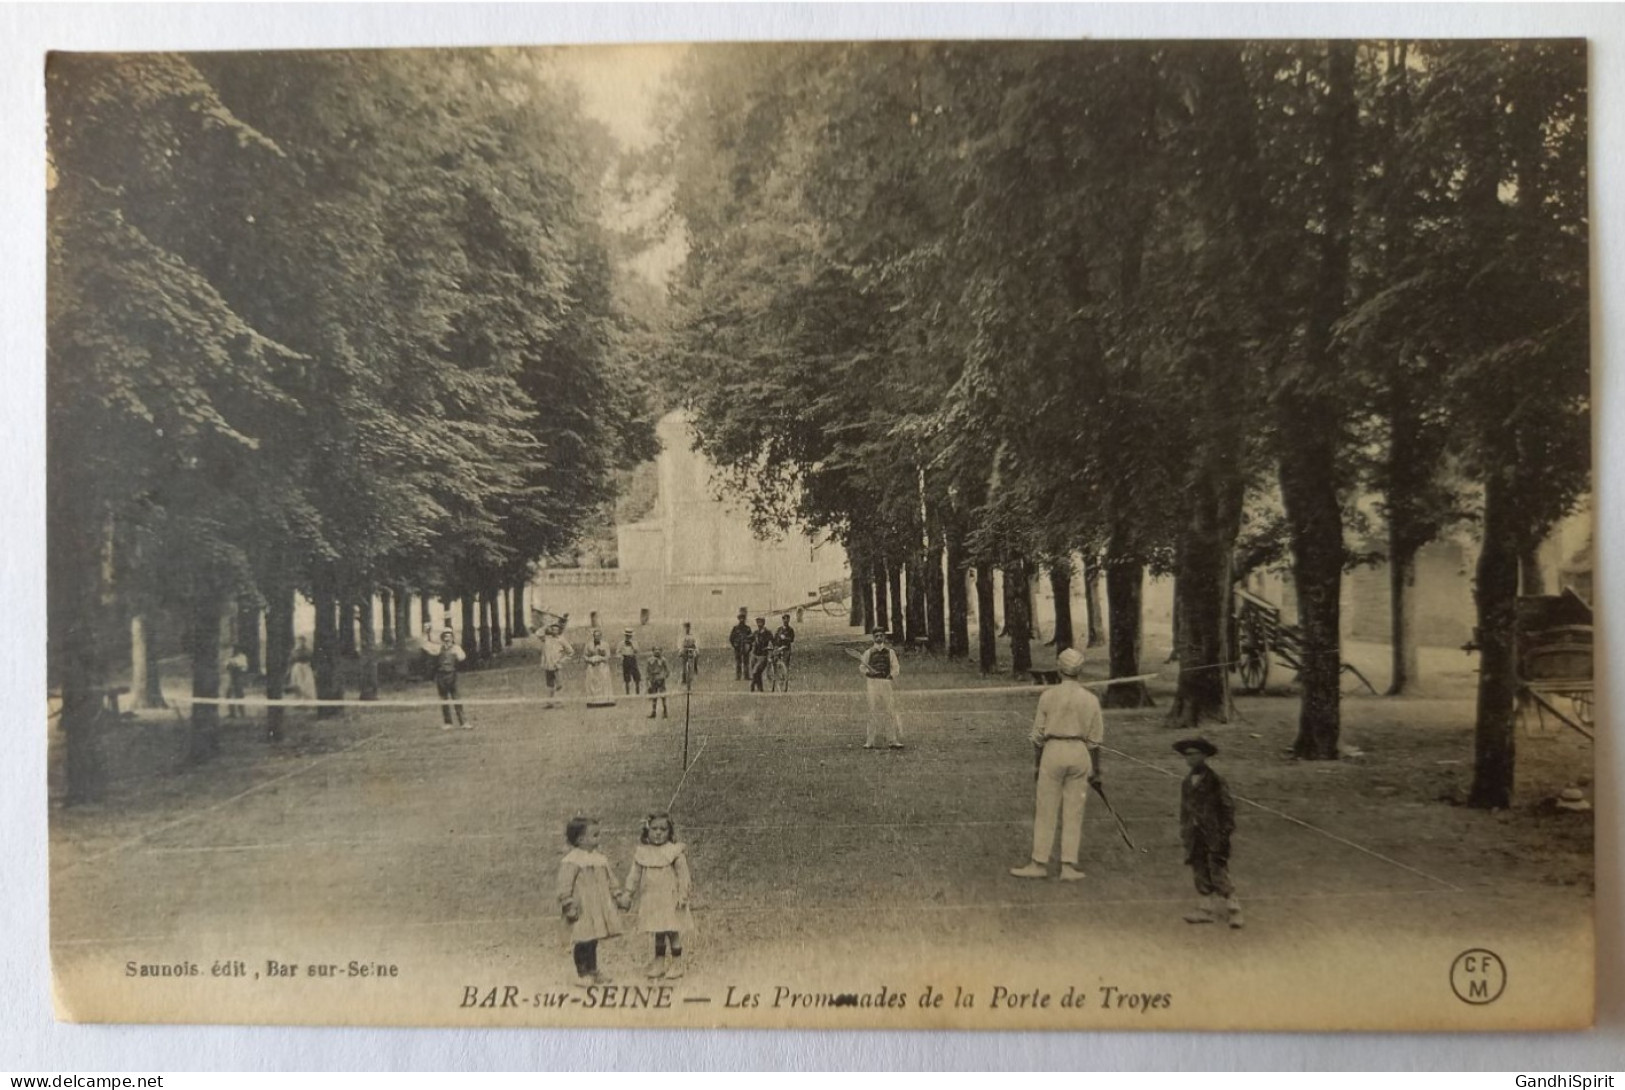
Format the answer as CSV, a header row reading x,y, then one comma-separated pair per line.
x,y
1063,788
883,710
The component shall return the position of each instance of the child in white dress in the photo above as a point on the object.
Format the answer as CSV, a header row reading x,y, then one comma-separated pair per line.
x,y
661,876
587,897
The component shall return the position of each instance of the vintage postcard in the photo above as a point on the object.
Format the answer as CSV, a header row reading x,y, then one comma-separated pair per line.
x,y
1019,535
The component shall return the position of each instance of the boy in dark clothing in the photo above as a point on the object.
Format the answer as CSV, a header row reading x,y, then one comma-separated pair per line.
x,y
739,640
659,671
1207,818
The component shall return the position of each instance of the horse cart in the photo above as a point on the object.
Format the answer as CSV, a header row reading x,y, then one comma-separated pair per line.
x,y
1554,657
1258,636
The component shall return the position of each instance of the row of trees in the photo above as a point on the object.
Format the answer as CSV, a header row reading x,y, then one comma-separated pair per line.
x,y
332,324
1169,307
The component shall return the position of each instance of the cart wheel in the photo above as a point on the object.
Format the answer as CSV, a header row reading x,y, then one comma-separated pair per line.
x,y
1255,670
1582,708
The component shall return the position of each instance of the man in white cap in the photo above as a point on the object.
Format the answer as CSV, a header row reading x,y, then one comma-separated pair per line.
x,y
1067,732
631,679
879,666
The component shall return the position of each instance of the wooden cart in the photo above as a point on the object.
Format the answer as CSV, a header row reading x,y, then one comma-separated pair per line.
x,y
1554,649
1258,635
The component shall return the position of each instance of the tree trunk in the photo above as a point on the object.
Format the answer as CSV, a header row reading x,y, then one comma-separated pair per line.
x,y
866,603
1402,620
400,647
386,615
1125,588
204,635
958,597
521,619
471,630
347,627
1203,565
80,617
880,584
146,674
915,617
426,608
1018,620
1496,594
1309,416
324,652
894,577
855,606
1060,582
483,600
278,652
507,615
987,625
1316,520
1091,602
1176,625
368,648
936,604
495,597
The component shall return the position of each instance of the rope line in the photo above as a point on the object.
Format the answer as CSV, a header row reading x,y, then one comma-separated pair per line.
x,y
686,771
509,701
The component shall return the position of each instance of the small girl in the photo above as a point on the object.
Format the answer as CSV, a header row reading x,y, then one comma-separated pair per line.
x,y
660,871
587,897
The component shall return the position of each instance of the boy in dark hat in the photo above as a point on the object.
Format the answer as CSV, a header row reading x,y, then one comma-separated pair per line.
x,y
1207,818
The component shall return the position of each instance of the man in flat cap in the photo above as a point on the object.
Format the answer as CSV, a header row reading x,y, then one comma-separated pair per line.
x,y
1207,818
1068,730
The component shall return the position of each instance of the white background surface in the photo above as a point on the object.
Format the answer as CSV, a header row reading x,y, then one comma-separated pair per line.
x,y
31,1042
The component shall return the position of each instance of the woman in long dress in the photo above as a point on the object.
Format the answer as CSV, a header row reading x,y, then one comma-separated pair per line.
x,y
596,656
301,678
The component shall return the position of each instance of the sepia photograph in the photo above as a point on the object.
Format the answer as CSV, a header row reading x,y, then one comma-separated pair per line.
x,y
920,534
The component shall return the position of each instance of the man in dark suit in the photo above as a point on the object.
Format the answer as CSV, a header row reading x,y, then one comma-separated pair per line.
x,y
1207,818
761,642
739,640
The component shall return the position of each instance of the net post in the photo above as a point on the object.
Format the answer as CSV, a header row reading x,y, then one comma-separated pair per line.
x,y
688,699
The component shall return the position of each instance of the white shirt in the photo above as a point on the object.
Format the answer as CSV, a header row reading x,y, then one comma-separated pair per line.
x,y
1068,710
555,649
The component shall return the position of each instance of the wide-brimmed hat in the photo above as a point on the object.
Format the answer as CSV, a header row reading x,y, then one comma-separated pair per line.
x,y
1070,662
1198,745
627,631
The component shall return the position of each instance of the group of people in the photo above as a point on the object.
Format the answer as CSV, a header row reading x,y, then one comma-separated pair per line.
x,y
756,649
649,678
1068,732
